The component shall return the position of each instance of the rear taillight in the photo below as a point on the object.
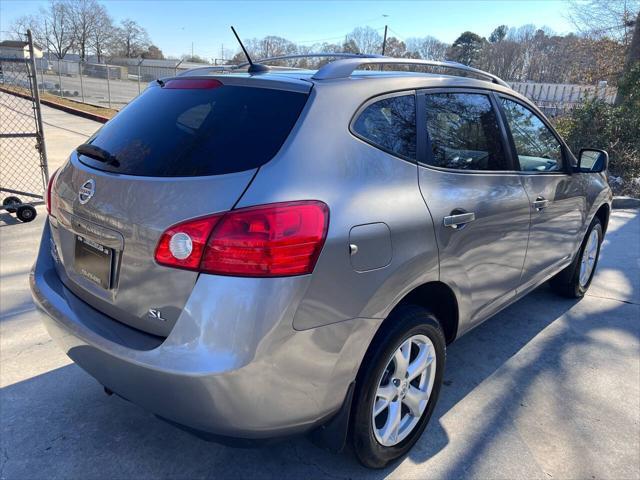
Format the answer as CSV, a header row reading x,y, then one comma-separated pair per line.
x,y
182,245
52,180
274,240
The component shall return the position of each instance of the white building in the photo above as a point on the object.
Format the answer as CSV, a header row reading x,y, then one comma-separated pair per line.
x,y
18,49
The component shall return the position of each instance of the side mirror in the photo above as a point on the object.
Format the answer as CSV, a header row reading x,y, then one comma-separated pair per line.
x,y
592,160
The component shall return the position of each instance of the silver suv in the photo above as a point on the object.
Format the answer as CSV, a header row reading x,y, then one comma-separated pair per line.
x,y
251,256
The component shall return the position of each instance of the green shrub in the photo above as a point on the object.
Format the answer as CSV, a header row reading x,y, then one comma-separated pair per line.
x,y
615,128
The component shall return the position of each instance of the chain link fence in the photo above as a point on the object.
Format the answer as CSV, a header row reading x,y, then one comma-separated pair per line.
x,y
23,161
110,84
115,83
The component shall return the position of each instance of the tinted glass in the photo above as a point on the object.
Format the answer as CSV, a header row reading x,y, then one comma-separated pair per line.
x,y
537,148
391,125
175,132
464,133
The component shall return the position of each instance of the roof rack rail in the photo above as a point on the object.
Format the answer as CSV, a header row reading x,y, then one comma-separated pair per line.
x,y
345,67
222,68
311,55
347,63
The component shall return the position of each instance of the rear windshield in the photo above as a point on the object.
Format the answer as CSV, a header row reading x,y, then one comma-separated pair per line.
x,y
178,132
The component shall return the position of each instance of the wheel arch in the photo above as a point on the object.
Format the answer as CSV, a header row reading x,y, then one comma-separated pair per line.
x,y
434,296
603,213
438,298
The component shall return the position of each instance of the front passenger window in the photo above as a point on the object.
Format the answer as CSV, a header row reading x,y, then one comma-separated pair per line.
x,y
537,148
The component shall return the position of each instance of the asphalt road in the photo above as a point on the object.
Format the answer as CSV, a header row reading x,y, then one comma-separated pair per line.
x,y
549,388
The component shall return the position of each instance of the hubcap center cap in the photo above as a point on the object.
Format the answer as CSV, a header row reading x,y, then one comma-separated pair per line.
x,y
402,389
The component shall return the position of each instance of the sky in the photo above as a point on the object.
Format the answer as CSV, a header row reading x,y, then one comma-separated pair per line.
x,y
175,25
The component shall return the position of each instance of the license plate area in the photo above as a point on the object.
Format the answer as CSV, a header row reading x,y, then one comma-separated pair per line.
x,y
94,261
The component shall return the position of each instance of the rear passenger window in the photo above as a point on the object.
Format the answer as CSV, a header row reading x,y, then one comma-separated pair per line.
x,y
464,133
390,124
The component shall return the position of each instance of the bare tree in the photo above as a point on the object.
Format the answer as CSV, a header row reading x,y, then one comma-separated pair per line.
x,y
633,55
58,27
395,48
429,48
103,35
367,40
84,15
273,46
131,39
35,23
504,58
633,59
605,18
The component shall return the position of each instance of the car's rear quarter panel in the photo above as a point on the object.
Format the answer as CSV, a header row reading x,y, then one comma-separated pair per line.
x,y
361,185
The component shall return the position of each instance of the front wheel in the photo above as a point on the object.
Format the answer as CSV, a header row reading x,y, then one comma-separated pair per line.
x,y
398,386
574,280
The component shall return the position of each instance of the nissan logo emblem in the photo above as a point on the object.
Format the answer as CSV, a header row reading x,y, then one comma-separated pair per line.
x,y
87,190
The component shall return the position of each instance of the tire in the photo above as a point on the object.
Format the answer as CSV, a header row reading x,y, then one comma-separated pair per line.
x,y
11,201
568,282
368,433
26,213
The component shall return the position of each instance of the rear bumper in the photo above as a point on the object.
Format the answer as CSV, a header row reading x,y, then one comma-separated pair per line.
x,y
233,365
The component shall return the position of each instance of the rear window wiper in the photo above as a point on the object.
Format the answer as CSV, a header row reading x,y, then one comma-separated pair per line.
x,y
97,153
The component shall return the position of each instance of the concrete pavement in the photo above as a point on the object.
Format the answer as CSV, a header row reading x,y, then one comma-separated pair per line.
x,y
64,132
19,160
549,388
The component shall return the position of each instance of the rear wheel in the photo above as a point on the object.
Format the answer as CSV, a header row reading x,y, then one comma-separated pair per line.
x,y
398,386
573,281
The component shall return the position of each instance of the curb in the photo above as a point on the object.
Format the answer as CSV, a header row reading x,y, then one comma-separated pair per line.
x,y
64,108
625,202
75,111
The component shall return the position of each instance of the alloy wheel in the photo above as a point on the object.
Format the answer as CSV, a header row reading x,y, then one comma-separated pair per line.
x,y
403,390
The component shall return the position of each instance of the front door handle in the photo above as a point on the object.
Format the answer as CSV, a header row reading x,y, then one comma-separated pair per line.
x,y
540,203
457,219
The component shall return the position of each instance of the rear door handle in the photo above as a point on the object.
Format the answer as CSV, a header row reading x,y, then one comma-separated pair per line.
x,y
459,220
540,203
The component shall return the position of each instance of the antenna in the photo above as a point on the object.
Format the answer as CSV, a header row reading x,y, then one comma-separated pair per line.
x,y
253,67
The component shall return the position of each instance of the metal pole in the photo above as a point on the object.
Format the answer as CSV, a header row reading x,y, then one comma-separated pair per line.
x,y
384,41
139,63
384,45
42,88
81,84
41,145
108,85
60,80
